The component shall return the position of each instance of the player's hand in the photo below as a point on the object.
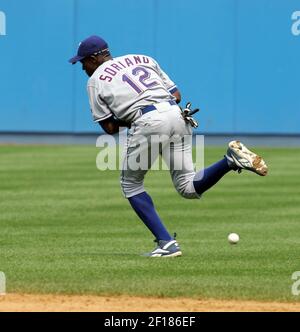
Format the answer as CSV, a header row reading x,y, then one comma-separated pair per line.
x,y
187,114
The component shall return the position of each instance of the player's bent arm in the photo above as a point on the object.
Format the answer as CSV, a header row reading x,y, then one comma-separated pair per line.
x,y
177,95
112,125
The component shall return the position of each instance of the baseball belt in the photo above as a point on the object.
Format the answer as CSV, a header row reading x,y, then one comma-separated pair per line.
x,y
150,108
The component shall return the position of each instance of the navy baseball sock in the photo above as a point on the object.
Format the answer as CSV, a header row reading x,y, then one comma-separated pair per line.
x,y
209,176
144,208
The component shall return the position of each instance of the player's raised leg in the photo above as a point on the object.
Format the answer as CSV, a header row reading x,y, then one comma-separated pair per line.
x,y
208,177
189,184
192,185
238,157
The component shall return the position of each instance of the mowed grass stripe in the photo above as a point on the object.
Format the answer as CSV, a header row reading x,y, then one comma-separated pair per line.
x,y
65,228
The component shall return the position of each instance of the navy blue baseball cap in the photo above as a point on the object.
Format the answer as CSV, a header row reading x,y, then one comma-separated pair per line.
x,y
89,46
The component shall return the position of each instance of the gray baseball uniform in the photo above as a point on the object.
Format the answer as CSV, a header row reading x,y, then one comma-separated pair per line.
x,y
123,87
137,92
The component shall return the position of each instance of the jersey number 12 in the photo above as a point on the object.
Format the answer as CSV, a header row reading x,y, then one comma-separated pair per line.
x,y
142,79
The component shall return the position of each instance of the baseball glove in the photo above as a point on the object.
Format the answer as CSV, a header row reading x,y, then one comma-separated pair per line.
x,y
187,114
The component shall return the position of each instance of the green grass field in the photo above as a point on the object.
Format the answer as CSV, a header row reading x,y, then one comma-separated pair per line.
x,y
66,228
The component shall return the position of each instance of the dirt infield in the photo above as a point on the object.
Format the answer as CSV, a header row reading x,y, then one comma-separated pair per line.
x,y
66,303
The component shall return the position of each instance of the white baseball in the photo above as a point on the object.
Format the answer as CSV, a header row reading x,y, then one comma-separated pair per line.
x,y
233,238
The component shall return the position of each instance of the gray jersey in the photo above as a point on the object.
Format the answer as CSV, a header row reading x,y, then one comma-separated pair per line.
x,y
124,85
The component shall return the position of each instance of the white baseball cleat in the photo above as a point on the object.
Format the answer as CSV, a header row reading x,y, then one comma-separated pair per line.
x,y
241,158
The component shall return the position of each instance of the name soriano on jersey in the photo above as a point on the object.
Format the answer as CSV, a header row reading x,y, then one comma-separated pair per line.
x,y
123,85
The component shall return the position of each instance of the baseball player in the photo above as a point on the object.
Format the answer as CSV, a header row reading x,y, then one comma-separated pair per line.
x,y
133,91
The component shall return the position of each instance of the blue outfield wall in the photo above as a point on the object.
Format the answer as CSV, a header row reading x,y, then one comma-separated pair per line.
x,y
238,60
